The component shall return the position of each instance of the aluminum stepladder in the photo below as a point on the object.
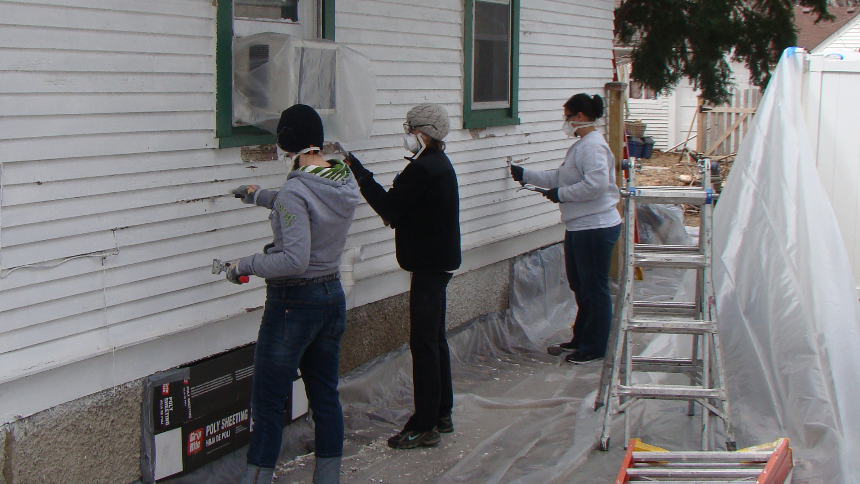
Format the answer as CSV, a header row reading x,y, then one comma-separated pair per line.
x,y
704,367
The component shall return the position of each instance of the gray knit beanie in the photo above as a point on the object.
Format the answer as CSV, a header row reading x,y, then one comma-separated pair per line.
x,y
430,119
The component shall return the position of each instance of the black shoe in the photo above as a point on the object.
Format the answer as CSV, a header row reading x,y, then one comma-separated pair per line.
x,y
559,349
581,358
410,439
445,425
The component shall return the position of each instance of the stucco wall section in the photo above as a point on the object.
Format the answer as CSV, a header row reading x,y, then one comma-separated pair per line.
x,y
5,471
374,329
478,292
95,439
377,328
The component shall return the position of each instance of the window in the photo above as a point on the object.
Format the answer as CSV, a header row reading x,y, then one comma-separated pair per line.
x,y
301,18
638,91
267,9
491,63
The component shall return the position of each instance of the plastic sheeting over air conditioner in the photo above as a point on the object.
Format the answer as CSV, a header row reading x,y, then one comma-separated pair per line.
x,y
271,72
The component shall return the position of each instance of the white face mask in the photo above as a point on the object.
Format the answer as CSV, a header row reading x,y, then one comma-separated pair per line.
x,y
570,127
413,143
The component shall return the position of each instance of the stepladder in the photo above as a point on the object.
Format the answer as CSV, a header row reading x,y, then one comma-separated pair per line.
x,y
697,376
763,464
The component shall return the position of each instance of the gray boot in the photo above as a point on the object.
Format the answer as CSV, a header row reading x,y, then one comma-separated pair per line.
x,y
327,470
258,475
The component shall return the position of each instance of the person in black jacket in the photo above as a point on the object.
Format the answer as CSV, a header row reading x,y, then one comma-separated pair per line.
x,y
423,207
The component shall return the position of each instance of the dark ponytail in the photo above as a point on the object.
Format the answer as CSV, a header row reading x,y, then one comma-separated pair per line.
x,y
591,107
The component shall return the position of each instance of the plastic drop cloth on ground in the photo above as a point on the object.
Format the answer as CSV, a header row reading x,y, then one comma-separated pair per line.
x,y
520,415
274,71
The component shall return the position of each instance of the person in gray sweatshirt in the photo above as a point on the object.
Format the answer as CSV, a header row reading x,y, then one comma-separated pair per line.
x,y
584,187
305,314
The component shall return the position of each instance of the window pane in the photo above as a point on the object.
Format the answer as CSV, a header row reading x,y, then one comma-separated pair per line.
x,y
492,55
635,90
317,78
269,9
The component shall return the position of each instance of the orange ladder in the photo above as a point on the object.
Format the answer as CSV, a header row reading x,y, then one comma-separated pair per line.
x,y
764,464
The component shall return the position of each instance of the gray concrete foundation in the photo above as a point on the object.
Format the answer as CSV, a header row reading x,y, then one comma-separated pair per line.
x,y
96,439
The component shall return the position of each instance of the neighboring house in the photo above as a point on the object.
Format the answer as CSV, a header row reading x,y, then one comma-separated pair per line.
x,y
826,37
117,151
669,117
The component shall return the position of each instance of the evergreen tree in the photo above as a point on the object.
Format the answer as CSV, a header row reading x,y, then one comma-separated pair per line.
x,y
672,39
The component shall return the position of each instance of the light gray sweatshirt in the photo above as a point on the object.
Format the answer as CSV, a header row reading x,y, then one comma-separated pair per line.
x,y
586,184
311,215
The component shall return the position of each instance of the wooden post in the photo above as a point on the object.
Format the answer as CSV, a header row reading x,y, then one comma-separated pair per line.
x,y
615,98
701,142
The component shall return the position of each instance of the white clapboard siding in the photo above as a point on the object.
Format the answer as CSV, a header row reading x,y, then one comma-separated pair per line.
x,y
846,39
655,114
114,192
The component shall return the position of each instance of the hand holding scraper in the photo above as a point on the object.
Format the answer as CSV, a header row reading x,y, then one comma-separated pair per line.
x,y
232,270
358,170
517,173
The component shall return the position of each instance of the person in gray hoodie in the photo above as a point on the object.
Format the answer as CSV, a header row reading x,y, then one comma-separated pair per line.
x,y
585,190
305,313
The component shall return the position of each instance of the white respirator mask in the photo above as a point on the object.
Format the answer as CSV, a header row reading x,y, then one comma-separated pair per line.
x,y
413,143
569,127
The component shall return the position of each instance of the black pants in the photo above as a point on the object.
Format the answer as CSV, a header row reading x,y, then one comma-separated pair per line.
x,y
587,257
431,361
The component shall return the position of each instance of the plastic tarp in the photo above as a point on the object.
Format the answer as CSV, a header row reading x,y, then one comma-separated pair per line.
x,y
272,72
787,303
520,414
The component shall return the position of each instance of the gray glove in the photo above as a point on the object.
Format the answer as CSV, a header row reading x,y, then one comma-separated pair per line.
x,y
233,274
246,193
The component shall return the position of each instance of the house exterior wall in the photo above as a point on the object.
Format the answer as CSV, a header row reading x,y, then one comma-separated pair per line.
x,y
655,114
671,117
113,194
847,38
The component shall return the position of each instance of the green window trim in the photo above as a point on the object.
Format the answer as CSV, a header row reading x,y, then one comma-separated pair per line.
x,y
484,118
230,136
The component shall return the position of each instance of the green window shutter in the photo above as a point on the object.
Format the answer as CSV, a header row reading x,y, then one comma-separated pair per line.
x,y
475,115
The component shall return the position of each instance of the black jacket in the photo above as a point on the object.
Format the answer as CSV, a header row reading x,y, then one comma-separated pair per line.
x,y
423,207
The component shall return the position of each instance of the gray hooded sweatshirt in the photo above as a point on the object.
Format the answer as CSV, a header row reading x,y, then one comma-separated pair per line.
x,y
311,215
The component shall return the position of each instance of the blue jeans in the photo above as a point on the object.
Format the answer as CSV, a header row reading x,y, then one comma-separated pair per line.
x,y
301,329
587,257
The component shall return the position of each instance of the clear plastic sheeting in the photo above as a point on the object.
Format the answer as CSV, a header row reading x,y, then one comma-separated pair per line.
x,y
661,224
271,72
520,415
786,298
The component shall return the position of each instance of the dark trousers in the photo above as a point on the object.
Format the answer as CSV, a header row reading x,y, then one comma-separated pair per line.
x,y
301,329
587,256
431,361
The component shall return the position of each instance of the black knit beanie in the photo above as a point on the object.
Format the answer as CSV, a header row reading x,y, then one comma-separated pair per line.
x,y
300,127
